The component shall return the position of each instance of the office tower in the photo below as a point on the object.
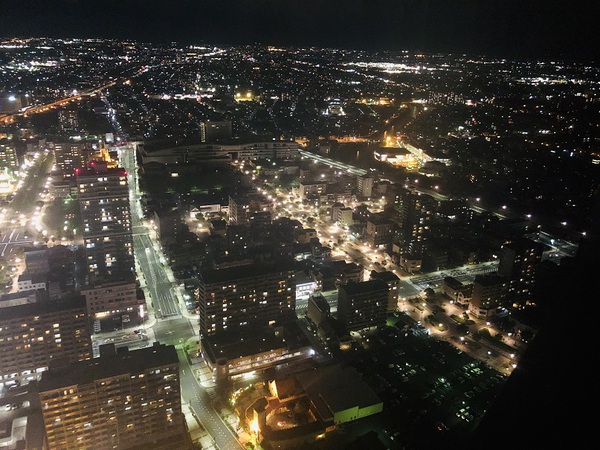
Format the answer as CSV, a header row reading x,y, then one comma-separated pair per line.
x,y
318,310
244,296
519,264
415,212
379,231
489,293
215,131
331,274
36,331
103,197
122,400
260,218
363,305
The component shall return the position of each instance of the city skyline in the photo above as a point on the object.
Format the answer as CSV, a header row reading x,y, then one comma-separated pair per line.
x,y
428,220
533,28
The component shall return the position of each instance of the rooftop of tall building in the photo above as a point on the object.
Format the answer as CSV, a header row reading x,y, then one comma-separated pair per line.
x,y
111,363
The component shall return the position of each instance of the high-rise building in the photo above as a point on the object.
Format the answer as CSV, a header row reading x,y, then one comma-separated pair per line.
x,y
238,239
103,196
242,208
243,296
71,155
363,305
37,331
365,185
393,283
379,231
169,224
238,210
123,400
260,218
519,264
415,212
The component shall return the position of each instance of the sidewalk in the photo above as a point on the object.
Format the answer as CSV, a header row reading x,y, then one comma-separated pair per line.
x,y
199,367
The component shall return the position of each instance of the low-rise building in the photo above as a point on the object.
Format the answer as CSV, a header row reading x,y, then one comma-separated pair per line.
x,y
410,263
115,300
233,355
32,281
458,292
489,293
339,394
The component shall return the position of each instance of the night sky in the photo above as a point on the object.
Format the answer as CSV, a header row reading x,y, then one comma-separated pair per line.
x,y
510,28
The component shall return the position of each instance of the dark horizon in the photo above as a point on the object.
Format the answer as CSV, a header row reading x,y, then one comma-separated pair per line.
x,y
512,29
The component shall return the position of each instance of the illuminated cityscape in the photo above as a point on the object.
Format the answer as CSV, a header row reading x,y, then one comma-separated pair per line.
x,y
261,246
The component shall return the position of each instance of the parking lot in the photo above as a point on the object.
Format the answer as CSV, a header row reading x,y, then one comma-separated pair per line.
x,y
433,393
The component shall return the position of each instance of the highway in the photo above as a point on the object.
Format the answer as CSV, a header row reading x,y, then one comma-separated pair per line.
x,y
31,110
28,111
171,326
